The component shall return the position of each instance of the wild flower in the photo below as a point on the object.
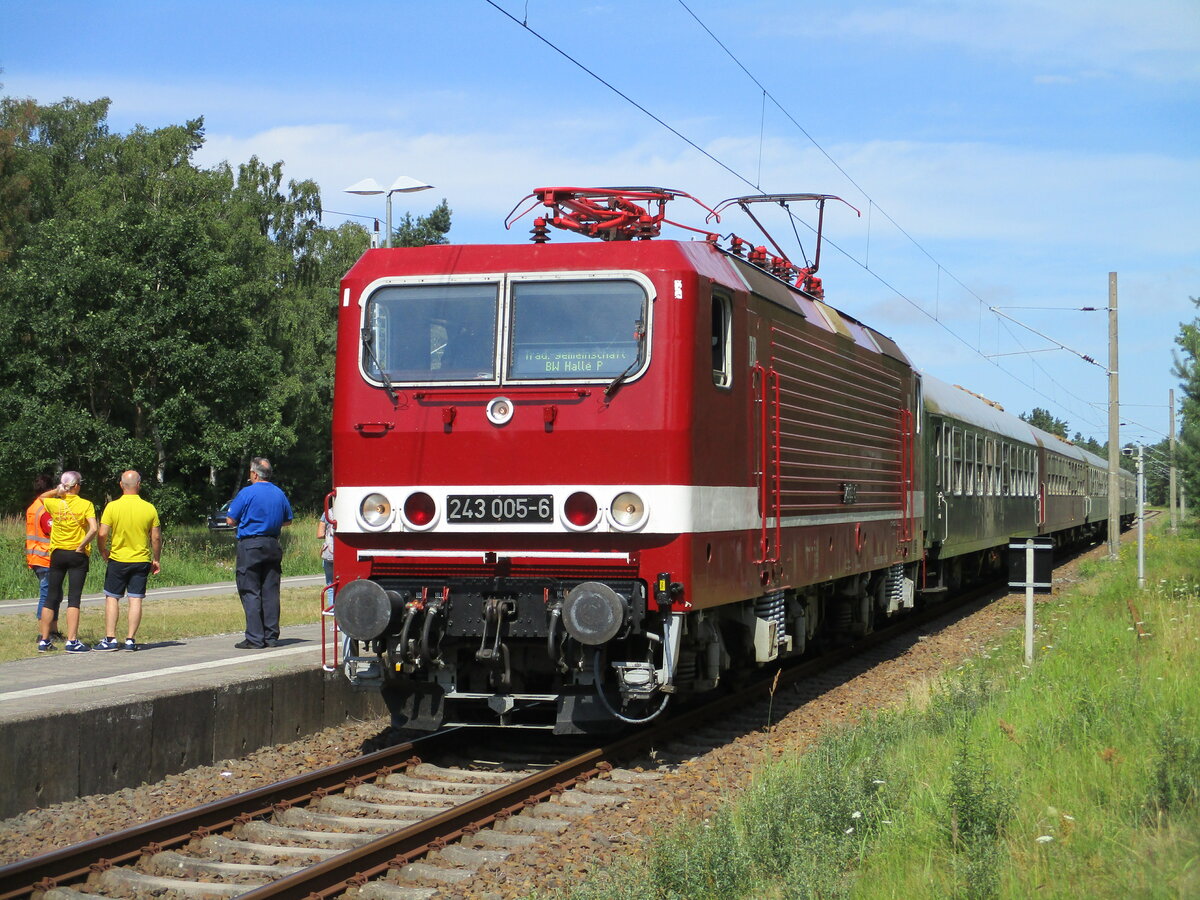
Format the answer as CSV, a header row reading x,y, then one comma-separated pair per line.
x,y
1044,838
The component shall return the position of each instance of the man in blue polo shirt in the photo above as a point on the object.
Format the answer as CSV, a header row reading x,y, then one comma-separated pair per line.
x,y
259,511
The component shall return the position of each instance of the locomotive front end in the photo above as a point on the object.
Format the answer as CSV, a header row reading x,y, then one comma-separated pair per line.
x,y
501,451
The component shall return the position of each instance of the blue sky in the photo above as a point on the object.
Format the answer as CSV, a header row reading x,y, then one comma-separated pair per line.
x,y
1004,153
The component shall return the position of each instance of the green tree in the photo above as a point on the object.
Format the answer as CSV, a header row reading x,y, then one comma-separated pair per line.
x,y
423,230
1041,418
162,316
15,197
1187,369
146,312
1091,445
1158,470
308,330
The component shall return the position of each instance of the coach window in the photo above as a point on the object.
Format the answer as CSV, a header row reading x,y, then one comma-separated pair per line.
x,y
980,471
957,460
969,464
577,330
985,468
943,456
722,364
424,333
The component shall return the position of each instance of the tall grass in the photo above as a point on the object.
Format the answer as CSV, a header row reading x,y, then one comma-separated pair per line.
x,y
191,555
1079,777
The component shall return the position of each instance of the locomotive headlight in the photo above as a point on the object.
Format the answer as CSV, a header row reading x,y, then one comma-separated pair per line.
x,y
580,512
628,511
420,511
375,511
499,410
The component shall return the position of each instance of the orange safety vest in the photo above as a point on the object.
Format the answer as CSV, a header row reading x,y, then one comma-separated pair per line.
x,y
37,538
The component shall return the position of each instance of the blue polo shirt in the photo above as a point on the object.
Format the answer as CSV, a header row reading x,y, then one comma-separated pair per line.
x,y
260,509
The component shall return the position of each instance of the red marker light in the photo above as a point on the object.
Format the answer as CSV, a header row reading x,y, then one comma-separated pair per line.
x,y
419,509
580,509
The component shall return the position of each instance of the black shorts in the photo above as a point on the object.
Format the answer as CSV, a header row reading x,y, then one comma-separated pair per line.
x,y
122,577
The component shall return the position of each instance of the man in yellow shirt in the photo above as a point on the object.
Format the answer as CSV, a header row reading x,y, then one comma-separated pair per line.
x,y
131,541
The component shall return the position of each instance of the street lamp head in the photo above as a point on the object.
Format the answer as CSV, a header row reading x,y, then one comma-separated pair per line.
x,y
402,185
364,188
406,185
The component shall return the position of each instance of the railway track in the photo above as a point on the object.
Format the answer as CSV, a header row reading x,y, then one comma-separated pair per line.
x,y
392,823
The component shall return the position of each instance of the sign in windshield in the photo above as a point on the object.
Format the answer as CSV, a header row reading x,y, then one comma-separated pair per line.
x,y
570,329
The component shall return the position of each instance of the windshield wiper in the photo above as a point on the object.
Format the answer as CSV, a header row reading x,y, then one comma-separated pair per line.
x,y
367,340
639,333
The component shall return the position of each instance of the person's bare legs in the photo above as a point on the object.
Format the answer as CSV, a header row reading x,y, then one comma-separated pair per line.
x,y
72,623
112,611
135,615
45,623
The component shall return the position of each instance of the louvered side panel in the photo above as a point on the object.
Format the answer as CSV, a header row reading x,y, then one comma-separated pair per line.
x,y
839,425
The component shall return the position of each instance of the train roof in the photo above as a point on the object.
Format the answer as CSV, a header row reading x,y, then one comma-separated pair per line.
x,y
958,403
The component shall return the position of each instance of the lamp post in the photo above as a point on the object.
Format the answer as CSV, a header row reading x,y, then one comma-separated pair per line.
x,y
403,185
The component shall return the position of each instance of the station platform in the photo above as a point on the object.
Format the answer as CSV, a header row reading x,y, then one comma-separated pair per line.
x,y
74,724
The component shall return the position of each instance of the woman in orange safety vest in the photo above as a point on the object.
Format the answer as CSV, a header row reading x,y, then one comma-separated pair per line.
x,y
37,543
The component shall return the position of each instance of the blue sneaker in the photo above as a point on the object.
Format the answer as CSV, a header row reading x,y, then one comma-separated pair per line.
x,y
130,644
107,644
46,646
77,647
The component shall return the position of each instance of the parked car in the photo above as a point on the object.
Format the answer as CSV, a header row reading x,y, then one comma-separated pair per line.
x,y
218,519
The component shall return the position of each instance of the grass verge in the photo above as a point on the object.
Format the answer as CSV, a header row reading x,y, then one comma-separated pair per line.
x,y
191,555
162,620
1079,777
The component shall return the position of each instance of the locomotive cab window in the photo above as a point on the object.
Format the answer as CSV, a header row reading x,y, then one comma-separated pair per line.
x,y
577,330
722,365
423,333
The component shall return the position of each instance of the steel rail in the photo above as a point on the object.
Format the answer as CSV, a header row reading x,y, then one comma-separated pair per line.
x,y
47,870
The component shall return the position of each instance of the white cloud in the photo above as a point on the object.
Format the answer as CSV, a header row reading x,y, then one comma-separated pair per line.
x,y
1156,41
941,194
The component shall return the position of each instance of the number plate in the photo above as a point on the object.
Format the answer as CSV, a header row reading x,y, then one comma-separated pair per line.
x,y
499,508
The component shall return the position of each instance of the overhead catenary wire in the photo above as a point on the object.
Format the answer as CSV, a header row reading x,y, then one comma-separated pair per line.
x,y
863,264
871,205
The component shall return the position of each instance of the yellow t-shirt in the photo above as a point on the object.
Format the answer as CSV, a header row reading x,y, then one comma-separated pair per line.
x,y
70,514
130,519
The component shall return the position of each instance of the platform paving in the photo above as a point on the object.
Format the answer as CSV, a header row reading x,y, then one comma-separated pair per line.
x,y
77,724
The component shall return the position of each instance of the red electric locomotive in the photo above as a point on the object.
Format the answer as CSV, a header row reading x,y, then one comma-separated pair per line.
x,y
575,478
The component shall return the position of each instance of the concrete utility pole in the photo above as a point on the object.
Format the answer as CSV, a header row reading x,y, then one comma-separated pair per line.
x,y
1114,421
1171,486
1141,512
